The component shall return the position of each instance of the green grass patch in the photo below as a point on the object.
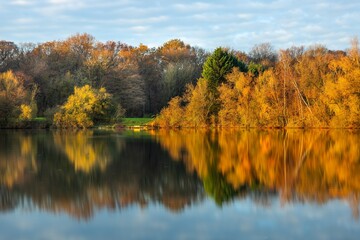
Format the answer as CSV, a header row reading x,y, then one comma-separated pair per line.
x,y
136,121
40,119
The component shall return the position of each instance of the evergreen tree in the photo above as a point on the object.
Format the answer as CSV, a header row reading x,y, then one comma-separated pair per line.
x,y
217,65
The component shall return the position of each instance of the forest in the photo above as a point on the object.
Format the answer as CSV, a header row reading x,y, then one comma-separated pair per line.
x,y
80,82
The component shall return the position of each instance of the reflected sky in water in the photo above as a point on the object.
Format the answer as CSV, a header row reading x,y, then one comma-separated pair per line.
x,y
179,185
241,219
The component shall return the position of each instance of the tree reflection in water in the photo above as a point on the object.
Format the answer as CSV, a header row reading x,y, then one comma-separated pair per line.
x,y
82,172
314,165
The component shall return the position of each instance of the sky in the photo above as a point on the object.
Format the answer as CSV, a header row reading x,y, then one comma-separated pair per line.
x,y
237,24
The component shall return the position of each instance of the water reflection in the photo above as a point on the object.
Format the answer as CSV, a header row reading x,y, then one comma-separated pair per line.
x,y
299,166
81,172
84,151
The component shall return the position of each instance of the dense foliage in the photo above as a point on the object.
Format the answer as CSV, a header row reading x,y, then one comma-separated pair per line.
x,y
84,108
15,98
218,65
140,79
315,87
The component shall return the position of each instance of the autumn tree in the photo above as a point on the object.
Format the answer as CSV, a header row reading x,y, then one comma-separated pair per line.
x,y
268,96
235,98
56,67
220,63
243,101
200,104
102,62
9,56
342,90
174,50
12,95
181,64
311,67
125,83
263,54
86,107
172,116
287,78
26,112
176,76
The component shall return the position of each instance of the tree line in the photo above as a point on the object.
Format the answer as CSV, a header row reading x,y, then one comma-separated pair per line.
x,y
298,87
37,79
81,82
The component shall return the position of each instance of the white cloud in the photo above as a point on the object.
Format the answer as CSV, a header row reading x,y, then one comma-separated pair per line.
x,y
312,29
196,6
133,21
297,12
24,20
140,28
59,6
347,19
22,2
244,16
206,23
60,2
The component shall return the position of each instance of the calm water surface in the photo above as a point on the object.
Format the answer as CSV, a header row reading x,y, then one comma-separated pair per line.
x,y
180,184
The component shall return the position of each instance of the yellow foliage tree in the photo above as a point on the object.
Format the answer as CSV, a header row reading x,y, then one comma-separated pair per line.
x,y
268,97
196,112
236,96
26,112
200,103
173,115
84,108
12,95
342,90
228,114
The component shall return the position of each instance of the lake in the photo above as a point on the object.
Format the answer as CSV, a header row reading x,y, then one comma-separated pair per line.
x,y
188,184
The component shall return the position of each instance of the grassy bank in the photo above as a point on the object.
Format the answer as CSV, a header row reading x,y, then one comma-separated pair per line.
x,y
131,122
38,123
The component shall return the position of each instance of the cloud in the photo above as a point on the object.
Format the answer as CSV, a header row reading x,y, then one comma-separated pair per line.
x,y
209,24
312,29
140,28
22,2
244,16
24,20
52,9
196,6
347,19
62,2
